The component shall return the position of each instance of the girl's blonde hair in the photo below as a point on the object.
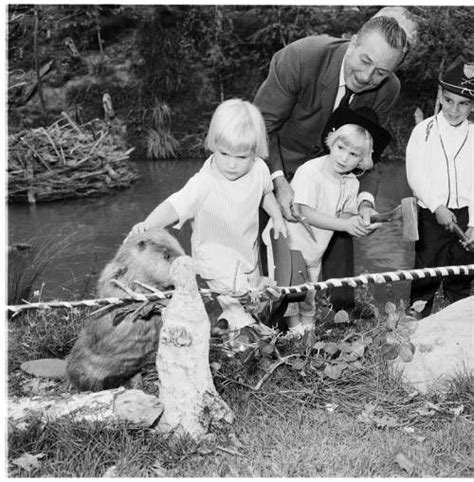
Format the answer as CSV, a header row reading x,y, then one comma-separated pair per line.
x,y
237,125
357,138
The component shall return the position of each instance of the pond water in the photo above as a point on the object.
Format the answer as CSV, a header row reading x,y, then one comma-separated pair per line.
x,y
97,226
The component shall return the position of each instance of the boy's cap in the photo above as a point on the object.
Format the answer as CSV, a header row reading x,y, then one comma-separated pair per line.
x,y
459,78
364,117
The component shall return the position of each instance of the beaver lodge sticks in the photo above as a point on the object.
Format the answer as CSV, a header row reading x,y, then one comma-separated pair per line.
x,y
66,160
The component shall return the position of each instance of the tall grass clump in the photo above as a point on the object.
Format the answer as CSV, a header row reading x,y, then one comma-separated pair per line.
x,y
26,265
160,142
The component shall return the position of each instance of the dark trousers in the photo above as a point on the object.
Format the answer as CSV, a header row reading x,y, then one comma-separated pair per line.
x,y
439,247
338,262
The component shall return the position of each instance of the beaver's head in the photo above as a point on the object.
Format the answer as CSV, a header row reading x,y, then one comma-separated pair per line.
x,y
147,257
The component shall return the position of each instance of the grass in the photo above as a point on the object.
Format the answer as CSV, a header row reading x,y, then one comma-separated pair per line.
x,y
300,423
27,264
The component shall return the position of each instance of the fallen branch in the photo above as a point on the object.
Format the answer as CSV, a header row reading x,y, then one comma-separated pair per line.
x,y
108,405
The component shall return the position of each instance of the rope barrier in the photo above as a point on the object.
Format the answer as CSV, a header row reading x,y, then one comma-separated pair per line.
x,y
363,279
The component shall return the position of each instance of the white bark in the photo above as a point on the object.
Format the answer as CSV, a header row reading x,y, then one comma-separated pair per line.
x,y
190,400
118,404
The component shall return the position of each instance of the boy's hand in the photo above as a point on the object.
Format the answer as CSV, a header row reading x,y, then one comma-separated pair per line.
x,y
445,217
279,227
356,226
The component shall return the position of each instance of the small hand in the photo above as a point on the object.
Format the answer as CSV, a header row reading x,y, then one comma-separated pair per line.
x,y
366,210
284,194
445,217
139,228
355,226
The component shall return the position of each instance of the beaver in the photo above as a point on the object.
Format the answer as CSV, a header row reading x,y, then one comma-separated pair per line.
x,y
112,347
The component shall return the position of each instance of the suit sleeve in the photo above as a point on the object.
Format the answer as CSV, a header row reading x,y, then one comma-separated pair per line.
x,y
386,99
277,97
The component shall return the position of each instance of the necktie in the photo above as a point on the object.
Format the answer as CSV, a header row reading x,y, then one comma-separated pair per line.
x,y
345,98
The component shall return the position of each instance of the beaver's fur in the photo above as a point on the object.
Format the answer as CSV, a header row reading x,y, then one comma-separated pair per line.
x,y
113,347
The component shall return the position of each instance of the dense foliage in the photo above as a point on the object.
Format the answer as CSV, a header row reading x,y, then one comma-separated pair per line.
x,y
193,56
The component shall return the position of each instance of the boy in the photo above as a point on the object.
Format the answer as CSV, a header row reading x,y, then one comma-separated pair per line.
x,y
439,160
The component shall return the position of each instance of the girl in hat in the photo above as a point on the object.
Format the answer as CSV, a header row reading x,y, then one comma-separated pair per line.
x,y
222,202
326,191
439,163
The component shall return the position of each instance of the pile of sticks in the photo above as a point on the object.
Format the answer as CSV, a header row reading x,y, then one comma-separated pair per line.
x,y
66,160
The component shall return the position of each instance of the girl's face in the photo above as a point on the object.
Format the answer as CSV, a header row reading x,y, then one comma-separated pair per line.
x,y
233,164
344,158
456,108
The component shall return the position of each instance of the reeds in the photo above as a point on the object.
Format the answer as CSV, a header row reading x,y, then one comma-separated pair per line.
x,y
26,264
160,142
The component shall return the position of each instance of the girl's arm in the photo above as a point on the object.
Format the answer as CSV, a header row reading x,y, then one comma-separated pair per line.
x,y
353,225
270,206
162,216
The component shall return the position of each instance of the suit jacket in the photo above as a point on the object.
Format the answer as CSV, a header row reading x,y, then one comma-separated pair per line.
x,y
297,99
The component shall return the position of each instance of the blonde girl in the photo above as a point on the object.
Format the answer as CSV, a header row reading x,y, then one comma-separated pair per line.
x,y
222,201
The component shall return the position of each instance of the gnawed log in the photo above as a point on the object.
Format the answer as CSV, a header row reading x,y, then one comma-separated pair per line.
x,y
190,401
114,405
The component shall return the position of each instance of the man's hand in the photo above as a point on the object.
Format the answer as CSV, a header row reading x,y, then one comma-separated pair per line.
x,y
285,195
469,244
445,217
366,209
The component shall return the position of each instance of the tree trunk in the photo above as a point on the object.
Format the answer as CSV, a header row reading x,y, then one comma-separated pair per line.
x,y
190,401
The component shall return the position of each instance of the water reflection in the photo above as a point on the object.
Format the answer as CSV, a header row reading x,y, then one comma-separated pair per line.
x,y
100,224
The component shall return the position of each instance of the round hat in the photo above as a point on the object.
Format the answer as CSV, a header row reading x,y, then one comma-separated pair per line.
x,y
459,78
364,117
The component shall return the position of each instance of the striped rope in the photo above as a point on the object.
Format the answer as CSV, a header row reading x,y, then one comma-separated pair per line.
x,y
363,279
381,278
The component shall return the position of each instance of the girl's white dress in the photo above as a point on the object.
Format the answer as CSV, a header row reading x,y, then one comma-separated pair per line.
x,y
224,220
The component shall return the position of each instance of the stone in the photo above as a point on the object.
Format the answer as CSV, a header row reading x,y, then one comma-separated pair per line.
x,y
443,348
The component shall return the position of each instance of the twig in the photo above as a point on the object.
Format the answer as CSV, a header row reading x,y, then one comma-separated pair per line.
x,y
124,288
71,122
35,152
231,452
46,133
150,288
267,375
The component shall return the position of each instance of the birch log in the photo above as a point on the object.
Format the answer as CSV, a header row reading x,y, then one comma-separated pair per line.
x,y
190,401
108,405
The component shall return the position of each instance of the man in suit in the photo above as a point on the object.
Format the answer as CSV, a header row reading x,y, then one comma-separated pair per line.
x,y
307,80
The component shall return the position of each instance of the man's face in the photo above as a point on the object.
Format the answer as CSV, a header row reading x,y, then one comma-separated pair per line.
x,y
369,60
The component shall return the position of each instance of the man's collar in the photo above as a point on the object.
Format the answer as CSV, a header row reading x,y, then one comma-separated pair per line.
x,y
342,82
